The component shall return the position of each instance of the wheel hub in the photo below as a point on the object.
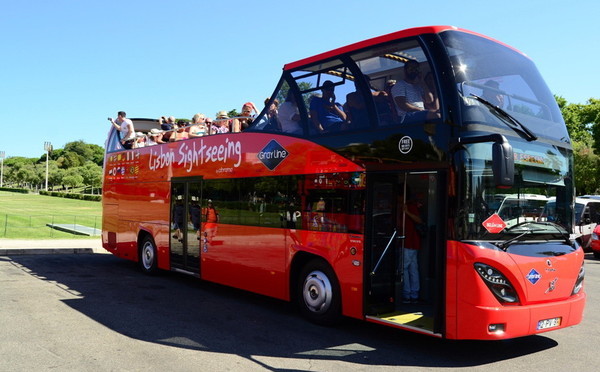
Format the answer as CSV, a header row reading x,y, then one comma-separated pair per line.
x,y
317,292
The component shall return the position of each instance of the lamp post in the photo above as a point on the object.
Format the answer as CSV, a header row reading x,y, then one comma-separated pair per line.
x,y
2,168
48,148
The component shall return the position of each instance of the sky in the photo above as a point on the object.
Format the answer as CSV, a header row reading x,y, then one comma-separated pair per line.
x,y
67,65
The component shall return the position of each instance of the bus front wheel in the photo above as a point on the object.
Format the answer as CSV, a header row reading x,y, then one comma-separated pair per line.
x,y
318,293
148,261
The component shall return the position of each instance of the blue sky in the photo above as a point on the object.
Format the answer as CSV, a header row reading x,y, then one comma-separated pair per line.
x,y
69,64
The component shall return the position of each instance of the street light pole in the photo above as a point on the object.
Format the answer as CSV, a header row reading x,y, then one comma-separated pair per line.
x,y
2,168
48,148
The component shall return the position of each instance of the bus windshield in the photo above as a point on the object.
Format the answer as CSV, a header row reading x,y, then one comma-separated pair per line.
x,y
506,79
541,177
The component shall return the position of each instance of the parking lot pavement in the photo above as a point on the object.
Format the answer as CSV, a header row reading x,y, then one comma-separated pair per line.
x,y
9,247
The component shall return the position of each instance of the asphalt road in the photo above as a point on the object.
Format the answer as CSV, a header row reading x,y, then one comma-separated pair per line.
x,y
80,312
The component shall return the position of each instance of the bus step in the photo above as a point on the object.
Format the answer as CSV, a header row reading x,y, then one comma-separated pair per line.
x,y
413,319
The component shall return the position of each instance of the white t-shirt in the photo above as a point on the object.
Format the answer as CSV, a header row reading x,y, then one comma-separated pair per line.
x,y
125,133
286,111
412,92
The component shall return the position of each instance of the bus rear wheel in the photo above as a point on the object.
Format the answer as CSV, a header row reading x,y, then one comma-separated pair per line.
x,y
318,293
147,259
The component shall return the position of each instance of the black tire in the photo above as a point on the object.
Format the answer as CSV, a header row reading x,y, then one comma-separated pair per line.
x,y
147,256
318,293
597,255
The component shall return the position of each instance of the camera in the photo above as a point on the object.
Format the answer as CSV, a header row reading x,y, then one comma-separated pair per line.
x,y
109,119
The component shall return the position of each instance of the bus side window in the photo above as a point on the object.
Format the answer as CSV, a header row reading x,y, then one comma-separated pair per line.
x,y
402,83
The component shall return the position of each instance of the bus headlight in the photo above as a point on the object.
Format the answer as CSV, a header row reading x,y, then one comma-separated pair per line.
x,y
579,281
497,283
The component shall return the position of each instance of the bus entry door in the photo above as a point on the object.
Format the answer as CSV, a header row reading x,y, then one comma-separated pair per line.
x,y
404,273
185,226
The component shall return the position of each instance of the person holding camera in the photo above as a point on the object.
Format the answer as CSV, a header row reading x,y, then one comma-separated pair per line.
x,y
125,126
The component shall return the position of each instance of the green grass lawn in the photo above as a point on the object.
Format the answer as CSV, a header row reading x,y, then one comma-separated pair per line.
x,y
24,216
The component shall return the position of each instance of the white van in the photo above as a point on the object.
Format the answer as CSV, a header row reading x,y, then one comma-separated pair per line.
x,y
517,208
587,216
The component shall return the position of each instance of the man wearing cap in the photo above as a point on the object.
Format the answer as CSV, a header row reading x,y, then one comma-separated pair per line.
x,y
125,126
326,114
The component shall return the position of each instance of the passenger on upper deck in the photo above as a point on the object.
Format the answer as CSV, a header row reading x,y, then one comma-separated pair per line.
x,y
221,123
154,137
198,127
412,97
179,133
249,111
356,108
272,122
289,116
325,113
140,140
125,126
167,124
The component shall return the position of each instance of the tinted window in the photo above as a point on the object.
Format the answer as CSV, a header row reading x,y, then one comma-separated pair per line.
x,y
327,202
504,77
385,71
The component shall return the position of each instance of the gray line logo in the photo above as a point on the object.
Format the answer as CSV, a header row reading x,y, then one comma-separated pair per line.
x,y
272,154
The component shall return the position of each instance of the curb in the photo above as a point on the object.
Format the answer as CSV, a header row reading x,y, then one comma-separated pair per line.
x,y
37,251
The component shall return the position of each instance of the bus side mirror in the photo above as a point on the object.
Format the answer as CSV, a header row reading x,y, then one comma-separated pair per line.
x,y
503,159
503,164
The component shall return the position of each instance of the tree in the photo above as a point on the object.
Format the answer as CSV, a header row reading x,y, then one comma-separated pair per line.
x,y
19,170
70,160
73,177
590,115
80,148
587,169
55,174
576,126
97,154
583,124
92,174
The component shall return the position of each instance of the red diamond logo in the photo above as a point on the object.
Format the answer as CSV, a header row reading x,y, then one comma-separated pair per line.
x,y
494,224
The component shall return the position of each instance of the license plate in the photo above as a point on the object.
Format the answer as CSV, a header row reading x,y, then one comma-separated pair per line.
x,y
548,323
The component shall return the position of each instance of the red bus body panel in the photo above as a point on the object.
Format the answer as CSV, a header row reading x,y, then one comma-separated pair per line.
x,y
137,198
471,307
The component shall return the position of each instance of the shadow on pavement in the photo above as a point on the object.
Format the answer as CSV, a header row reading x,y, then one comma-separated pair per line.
x,y
184,312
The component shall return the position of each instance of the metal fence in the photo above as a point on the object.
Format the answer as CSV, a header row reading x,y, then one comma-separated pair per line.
x,y
49,226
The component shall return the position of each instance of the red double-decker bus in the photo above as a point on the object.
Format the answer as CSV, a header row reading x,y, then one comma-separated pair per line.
x,y
373,191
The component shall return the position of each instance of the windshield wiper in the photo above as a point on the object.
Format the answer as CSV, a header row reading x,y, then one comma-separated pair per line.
x,y
506,243
563,234
511,122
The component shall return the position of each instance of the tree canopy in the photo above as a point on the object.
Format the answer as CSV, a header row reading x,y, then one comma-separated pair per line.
x,y
77,164
583,124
